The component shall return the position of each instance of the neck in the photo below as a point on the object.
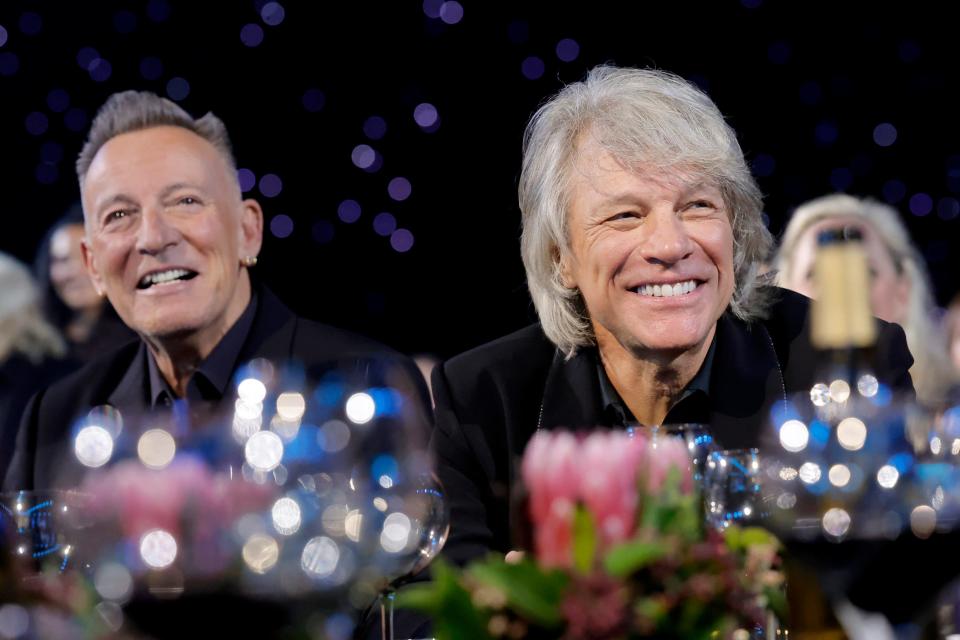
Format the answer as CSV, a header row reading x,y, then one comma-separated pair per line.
x,y
649,382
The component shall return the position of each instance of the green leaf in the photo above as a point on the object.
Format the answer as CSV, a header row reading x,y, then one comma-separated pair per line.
x,y
448,604
532,592
584,540
628,558
738,538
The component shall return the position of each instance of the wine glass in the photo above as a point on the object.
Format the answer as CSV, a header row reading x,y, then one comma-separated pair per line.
x,y
732,488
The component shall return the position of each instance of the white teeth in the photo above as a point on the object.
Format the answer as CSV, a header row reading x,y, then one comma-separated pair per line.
x,y
163,276
667,290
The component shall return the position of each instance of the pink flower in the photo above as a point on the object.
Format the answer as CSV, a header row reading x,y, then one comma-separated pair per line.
x,y
669,453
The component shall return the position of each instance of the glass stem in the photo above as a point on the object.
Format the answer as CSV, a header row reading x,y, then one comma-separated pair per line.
x,y
386,613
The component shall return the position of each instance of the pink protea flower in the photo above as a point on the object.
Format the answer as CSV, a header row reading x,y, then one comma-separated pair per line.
x,y
669,453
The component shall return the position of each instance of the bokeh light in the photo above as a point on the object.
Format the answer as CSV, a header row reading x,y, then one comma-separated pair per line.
x,y
100,70
320,557
286,516
113,581
884,134
836,522
851,433
820,394
158,10
567,50
868,385
271,185
36,123
58,100
156,448
921,204
923,521
178,88
431,8
251,34
30,23
260,552
425,115
291,406
810,472
375,127
272,14
349,211
158,548
794,436
247,179
395,533
360,408
263,451
86,56
839,475
9,63
93,446
3,35
384,224
451,12
14,621
363,156
948,208
839,391
335,436
399,189
532,68
401,240
826,133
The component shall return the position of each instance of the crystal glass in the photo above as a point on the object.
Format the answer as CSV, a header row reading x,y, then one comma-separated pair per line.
x,y
732,488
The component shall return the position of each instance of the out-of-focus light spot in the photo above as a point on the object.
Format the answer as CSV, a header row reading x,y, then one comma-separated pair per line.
x,y
263,451
851,433
51,152
313,100
360,408
948,208
86,56
788,474
763,165
125,21
3,35
567,50
811,93
379,504
839,475
158,548
323,232
320,557
938,497
178,88
58,100
363,156
884,134
247,179
158,10
923,521
260,552
921,204
820,394
272,14
399,189
349,211
100,70
375,127
836,522
431,8
251,35
868,385
251,391
451,12
248,410
156,448
385,481
401,240
93,446
36,123
395,533
909,50
839,390
151,68
333,519
47,173
30,23
286,429
384,224
291,406
336,436
936,445
887,476
779,52
826,133
532,68
893,191
794,436
286,516
353,525
425,115
14,621
271,185
786,500
955,447
113,581
9,63
810,472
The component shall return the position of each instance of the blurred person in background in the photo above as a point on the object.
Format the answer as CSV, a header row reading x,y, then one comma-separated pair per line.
x,y
900,290
951,325
30,349
70,302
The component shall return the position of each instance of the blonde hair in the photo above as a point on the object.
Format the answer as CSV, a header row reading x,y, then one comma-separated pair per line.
x,y
23,330
931,372
640,116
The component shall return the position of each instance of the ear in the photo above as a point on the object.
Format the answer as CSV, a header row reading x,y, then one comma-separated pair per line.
x,y
90,265
251,228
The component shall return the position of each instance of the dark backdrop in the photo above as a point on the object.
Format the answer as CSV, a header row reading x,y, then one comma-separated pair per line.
x,y
805,84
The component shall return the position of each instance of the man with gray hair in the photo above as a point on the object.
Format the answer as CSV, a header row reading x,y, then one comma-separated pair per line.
x,y
642,242
170,241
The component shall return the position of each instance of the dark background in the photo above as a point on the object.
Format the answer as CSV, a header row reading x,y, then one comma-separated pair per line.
x,y
805,84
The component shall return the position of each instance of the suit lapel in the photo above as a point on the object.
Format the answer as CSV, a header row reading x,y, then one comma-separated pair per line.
x,y
571,395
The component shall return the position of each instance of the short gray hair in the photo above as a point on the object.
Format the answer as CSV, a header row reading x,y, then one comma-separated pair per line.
x,y
640,116
130,111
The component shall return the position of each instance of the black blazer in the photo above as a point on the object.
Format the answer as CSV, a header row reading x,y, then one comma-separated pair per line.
x,y
490,401
44,444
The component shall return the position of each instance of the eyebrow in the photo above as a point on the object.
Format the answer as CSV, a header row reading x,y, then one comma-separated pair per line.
x,y
176,186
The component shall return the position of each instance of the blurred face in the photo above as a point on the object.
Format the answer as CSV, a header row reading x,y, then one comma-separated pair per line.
x,y
651,253
67,274
889,290
166,230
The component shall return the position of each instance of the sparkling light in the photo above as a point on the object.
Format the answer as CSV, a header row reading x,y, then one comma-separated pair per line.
x,y
263,451
360,408
794,436
923,520
810,472
158,548
786,500
291,406
839,475
887,476
839,390
851,434
286,516
425,115
395,533
320,556
93,446
788,474
820,394
260,552
156,448
251,391
936,445
868,385
112,581
836,522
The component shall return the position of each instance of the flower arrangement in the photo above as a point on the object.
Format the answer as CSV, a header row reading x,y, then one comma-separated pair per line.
x,y
619,551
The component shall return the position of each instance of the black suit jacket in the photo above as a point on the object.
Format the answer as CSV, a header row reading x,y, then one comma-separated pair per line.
x,y
490,401
43,456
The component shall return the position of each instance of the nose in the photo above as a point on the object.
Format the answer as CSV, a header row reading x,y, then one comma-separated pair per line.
x,y
667,241
155,234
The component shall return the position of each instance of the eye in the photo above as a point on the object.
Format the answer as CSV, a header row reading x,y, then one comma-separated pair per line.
x,y
188,200
623,215
115,215
701,204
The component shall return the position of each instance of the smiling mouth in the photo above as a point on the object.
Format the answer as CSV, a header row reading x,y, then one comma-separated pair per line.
x,y
159,278
667,290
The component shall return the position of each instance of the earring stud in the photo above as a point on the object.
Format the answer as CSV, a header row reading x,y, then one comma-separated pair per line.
x,y
249,261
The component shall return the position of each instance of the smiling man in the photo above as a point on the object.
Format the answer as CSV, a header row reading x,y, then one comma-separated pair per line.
x,y
642,242
170,241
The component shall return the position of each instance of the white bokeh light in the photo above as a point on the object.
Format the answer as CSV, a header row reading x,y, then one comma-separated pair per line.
x,y
810,472
839,391
263,451
887,476
260,552
794,436
820,394
836,522
320,556
839,475
395,533
353,525
113,581
251,391
156,448
93,446
923,521
360,408
158,548
868,385
291,406
787,474
852,434
286,516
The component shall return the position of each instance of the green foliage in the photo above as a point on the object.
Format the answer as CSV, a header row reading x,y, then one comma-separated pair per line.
x,y
448,603
584,540
532,592
630,557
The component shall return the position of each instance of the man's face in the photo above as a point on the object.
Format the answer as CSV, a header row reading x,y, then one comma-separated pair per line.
x,y
166,230
634,236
